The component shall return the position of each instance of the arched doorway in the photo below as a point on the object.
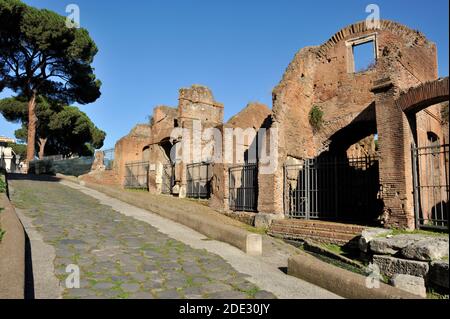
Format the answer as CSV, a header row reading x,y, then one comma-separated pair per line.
x,y
342,183
430,152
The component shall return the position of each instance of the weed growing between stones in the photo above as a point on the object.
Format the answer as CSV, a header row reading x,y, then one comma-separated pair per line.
x,y
316,118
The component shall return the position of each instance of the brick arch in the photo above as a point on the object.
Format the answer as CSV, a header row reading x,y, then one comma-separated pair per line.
x,y
360,28
420,97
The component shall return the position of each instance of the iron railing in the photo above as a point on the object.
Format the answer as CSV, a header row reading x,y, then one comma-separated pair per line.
x,y
333,188
431,186
136,175
198,180
243,188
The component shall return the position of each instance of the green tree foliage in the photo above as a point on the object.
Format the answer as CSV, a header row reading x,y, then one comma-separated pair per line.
x,y
40,56
60,129
19,149
2,184
76,134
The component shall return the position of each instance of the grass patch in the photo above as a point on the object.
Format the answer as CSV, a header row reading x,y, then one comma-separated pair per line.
x,y
2,234
334,248
190,282
333,261
396,232
435,294
260,231
123,295
136,190
2,184
252,292
203,202
92,282
76,258
338,263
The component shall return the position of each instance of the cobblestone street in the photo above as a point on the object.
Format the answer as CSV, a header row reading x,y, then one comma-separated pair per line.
x,y
119,256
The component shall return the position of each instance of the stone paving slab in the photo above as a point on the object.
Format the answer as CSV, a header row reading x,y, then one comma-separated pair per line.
x,y
119,256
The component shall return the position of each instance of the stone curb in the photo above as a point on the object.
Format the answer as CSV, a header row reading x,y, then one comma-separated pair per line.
x,y
12,253
340,281
246,241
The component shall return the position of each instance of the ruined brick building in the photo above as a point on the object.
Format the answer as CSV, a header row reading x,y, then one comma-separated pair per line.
x,y
352,145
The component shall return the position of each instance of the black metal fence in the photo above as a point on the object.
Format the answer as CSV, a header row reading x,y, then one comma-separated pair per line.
x,y
198,180
108,159
243,188
431,186
136,175
168,178
333,188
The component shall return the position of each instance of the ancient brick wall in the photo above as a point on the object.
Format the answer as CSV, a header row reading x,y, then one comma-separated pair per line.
x,y
253,116
324,77
355,106
130,148
153,142
197,102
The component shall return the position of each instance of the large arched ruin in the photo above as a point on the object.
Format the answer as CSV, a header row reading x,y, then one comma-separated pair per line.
x,y
355,105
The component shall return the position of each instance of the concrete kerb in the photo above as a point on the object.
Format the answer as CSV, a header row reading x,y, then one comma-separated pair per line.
x,y
248,242
340,281
12,253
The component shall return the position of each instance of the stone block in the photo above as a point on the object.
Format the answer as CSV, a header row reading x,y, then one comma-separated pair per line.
x,y
392,245
368,235
390,266
427,249
253,244
439,274
265,220
411,284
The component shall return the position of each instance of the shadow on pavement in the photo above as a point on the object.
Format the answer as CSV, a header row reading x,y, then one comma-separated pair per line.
x,y
31,177
29,278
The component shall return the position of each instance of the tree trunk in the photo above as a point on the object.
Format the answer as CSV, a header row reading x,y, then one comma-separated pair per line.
x,y
42,142
32,120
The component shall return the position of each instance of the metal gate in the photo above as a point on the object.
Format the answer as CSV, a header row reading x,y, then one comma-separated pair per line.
x,y
243,188
198,180
168,178
431,186
136,175
333,188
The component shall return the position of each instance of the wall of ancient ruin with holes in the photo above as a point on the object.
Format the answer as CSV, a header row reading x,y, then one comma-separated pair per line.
x,y
254,116
152,142
130,149
324,77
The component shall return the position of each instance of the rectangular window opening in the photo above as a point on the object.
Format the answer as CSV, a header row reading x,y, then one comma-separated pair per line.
x,y
364,56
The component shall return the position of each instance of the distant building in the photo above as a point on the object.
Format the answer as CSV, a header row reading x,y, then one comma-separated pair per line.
x,y
8,159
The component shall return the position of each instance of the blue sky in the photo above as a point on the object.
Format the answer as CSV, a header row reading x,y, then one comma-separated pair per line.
x,y
239,48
